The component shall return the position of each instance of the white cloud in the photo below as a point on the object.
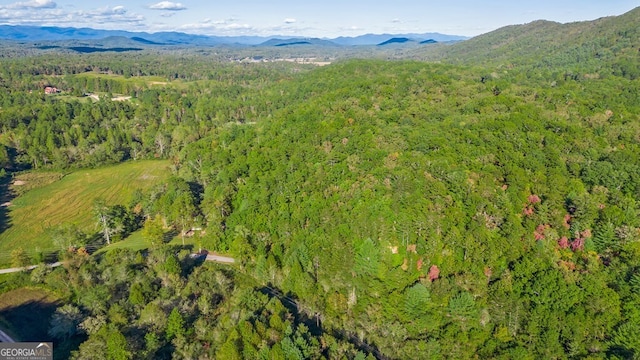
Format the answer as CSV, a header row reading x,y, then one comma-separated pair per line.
x,y
108,17
352,28
119,9
95,12
33,4
118,16
168,5
235,26
213,27
230,20
224,27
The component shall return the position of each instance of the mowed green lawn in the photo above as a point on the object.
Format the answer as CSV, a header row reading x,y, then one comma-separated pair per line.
x,y
136,241
70,200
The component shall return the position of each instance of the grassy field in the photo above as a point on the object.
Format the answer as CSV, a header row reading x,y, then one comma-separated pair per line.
x,y
138,80
95,97
135,241
70,200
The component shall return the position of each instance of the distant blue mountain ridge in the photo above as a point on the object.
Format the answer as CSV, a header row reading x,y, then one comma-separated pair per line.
x,y
52,33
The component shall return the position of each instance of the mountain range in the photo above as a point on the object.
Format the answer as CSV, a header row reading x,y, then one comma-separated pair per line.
x,y
544,42
52,33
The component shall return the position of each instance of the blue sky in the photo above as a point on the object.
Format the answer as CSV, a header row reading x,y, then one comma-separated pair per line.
x,y
327,18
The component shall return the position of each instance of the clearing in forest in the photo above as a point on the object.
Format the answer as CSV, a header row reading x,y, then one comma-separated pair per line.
x,y
69,199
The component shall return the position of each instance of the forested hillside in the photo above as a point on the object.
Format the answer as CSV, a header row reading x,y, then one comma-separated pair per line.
x,y
606,45
375,209
432,210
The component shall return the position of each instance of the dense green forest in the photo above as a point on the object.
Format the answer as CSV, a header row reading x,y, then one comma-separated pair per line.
x,y
376,209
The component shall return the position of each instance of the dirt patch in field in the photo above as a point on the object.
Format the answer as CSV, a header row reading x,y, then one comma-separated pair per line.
x,y
31,180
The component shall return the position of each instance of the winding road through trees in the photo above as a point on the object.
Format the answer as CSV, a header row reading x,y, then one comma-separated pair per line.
x,y
30,267
220,258
210,257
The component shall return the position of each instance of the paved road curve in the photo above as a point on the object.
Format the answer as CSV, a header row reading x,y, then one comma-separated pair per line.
x,y
30,267
210,257
5,338
220,258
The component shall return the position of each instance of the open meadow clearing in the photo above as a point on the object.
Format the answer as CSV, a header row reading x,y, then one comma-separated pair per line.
x,y
70,200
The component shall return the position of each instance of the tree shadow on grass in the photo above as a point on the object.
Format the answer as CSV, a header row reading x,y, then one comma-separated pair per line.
x,y
169,235
6,196
30,321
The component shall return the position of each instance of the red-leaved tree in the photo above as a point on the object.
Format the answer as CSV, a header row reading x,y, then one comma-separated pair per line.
x,y
577,244
563,242
434,273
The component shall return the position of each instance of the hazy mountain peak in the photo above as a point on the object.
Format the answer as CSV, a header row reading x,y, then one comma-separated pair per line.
x,y
53,33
